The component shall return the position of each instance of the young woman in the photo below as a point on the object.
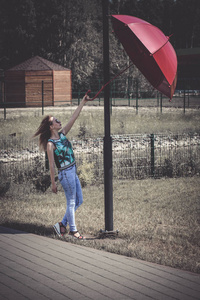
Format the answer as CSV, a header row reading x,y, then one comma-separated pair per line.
x,y
60,153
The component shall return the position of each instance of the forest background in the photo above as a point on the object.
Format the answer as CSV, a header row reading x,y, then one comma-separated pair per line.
x,y
69,32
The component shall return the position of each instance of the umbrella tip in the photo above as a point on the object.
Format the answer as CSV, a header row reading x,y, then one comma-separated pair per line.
x,y
170,36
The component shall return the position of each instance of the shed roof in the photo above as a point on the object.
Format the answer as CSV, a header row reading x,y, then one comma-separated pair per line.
x,y
38,63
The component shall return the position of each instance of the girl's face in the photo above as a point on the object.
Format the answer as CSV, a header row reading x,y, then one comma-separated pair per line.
x,y
55,123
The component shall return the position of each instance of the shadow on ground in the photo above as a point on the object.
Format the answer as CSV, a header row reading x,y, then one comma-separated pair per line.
x,y
42,230
30,228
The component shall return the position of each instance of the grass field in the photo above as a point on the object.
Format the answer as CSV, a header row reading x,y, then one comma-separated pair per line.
x,y
123,120
158,220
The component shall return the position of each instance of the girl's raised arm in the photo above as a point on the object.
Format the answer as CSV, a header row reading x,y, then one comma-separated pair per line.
x,y
75,115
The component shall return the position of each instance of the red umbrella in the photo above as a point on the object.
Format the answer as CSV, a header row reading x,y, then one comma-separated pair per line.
x,y
150,50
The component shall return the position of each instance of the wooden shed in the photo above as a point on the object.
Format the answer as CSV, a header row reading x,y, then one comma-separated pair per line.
x,y
35,81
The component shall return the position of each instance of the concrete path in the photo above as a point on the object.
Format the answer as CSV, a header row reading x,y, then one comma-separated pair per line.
x,y
36,267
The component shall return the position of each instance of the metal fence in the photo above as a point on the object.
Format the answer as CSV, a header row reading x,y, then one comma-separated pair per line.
x,y
129,92
134,157
123,92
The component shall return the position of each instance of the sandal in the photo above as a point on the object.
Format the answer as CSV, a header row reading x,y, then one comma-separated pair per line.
x,y
60,229
76,235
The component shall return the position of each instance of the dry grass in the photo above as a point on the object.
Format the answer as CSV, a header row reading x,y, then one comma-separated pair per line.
x,y
123,120
158,220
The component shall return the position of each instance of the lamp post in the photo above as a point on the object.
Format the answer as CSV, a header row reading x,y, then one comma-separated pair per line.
x,y
108,172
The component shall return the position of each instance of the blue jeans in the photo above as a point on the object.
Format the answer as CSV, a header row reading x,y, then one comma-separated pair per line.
x,y
73,192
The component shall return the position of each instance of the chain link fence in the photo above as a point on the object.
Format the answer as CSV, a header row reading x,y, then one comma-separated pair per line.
x,y
134,157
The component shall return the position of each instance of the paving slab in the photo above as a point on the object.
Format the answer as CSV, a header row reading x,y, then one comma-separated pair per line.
x,y
36,267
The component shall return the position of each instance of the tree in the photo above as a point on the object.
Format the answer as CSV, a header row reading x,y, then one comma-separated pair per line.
x,y
69,32
17,23
186,27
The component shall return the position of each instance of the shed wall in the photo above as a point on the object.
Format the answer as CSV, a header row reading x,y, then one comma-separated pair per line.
x,y
62,87
14,89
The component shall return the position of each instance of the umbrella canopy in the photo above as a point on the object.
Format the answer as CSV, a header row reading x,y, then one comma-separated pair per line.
x,y
150,50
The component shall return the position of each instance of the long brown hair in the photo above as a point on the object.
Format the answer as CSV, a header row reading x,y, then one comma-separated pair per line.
x,y
44,132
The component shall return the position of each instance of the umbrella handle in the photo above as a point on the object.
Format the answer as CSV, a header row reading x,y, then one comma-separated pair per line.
x,y
89,91
97,94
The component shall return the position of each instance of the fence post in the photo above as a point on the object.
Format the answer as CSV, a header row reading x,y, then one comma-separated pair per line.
x,y
128,91
114,91
161,103
152,156
46,161
136,96
184,101
157,100
42,97
4,92
79,93
99,89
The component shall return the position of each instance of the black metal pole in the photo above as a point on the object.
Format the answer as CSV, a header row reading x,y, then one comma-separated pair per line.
x,y
161,103
157,100
136,96
152,156
46,161
184,102
42,97
4,100
108,185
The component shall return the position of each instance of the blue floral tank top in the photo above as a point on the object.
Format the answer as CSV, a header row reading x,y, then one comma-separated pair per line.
x,y
63,154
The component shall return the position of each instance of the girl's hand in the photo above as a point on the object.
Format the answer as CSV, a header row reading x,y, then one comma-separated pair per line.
x,y
54,188
86,98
